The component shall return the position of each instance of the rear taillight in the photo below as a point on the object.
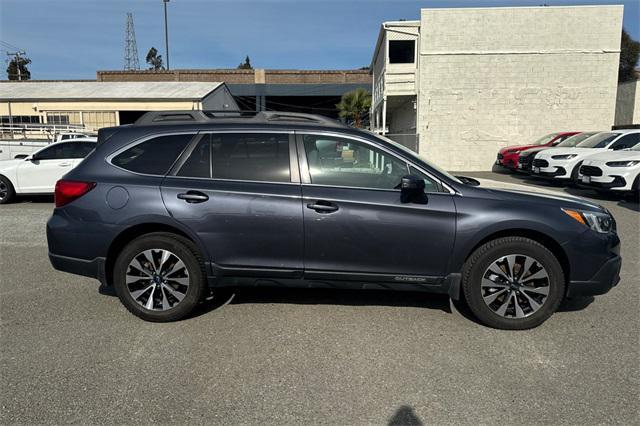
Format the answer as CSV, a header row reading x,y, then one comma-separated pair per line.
x,y
69,190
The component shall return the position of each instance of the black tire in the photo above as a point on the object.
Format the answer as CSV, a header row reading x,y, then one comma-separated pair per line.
x,y
7,192
184,250
574,174
482,258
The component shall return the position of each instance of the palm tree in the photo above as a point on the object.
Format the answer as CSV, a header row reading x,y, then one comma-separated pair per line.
x,y
354,106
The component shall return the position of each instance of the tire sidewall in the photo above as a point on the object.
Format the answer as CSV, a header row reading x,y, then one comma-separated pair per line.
x,y
194,267
10,191
486,256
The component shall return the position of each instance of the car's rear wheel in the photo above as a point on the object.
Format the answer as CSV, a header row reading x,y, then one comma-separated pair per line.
x,y
7,193
160,277
513,283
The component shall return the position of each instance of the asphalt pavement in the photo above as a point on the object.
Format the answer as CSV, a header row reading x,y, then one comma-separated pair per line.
x,y
71,353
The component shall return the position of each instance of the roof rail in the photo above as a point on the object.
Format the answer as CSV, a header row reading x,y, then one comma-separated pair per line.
x,y
207,116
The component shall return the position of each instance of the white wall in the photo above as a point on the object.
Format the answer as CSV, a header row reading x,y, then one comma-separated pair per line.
x,y
497,76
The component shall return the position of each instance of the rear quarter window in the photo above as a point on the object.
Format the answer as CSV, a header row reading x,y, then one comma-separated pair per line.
x,y
154,156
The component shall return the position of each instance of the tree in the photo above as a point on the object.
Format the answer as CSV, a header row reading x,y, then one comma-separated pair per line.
x,y
629,53
154,60
246,65
354,106
17,69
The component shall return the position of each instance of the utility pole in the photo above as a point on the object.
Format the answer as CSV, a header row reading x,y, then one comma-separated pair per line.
x,y
16,58
131,60
166,32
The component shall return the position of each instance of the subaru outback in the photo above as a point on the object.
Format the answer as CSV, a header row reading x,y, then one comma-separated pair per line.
x,y
182,205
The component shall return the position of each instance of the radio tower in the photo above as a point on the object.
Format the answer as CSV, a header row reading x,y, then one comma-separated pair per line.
x,y
130,48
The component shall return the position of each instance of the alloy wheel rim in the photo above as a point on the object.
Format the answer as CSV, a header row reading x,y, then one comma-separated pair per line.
x,y
515,286
157,279
4,190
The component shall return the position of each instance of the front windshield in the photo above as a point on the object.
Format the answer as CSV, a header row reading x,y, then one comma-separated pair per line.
x,y
415,155
545,139
600,140
575,139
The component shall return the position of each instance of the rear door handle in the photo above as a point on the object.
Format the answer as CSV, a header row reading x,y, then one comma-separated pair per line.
x,y
193,197
64,164
323,207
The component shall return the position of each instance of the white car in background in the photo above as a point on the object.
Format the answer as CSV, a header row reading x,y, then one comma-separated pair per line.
x,y
39,172
613,170
564,163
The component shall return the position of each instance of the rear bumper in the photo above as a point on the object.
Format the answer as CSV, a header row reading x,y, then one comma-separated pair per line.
x,y
94,268
607,277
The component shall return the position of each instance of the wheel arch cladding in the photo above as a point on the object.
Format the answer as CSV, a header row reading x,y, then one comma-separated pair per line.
x,y
135,231
550,243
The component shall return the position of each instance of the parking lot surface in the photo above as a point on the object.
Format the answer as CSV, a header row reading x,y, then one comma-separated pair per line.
x,y
70,352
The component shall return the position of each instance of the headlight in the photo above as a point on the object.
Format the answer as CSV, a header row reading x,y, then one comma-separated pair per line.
x,y
564,156
599,222
623,163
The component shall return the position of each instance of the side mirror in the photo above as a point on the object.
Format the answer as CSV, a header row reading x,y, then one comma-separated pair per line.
x,y
20,156
618,147
412,190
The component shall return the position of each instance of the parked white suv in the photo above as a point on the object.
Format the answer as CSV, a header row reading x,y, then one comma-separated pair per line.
x,y
564,163
614,170
39,172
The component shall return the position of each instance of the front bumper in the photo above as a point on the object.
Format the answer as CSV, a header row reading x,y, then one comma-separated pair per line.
x,y
594,263
607,277
604,182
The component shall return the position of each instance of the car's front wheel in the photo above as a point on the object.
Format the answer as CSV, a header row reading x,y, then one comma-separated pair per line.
x,y
7,192
160,277
513,283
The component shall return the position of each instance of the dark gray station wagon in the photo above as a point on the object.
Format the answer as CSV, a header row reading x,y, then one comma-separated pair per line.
x,y
182,204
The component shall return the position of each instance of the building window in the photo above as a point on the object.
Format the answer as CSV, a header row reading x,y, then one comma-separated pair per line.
x,y
402,51
63,118
95,120
20,119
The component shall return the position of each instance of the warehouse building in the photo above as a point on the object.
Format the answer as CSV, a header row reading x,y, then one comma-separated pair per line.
x,y
307,91
100,104
458,84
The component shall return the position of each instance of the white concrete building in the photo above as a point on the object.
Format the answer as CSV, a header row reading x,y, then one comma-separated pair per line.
x,y
483,78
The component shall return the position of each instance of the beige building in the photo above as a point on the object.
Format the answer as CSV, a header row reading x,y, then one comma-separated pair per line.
x,y
461,83
93,105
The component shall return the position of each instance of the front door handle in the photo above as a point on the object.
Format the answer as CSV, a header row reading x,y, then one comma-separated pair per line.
x,y
322,207
193,197
64,164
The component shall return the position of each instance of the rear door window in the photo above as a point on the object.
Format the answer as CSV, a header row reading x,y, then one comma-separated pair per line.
x,y
154,156
198,163
82,149
262,157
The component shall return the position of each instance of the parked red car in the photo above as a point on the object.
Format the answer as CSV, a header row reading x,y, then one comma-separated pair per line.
x,y
508,156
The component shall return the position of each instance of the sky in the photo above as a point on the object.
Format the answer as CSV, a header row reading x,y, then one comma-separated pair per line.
x,y
71,39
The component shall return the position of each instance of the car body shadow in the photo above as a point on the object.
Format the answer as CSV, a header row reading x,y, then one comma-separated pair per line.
x,y
34,199
301,296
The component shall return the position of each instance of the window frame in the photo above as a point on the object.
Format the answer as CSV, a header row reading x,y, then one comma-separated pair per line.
x,y
145,138
294,170
306,176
